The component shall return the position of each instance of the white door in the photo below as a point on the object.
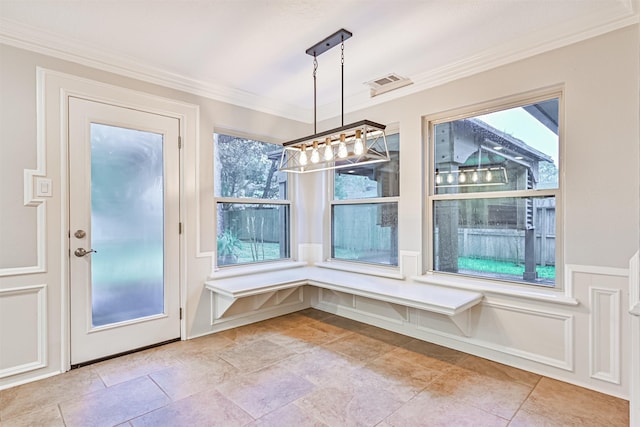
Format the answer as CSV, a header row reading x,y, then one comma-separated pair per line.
x,y
124,237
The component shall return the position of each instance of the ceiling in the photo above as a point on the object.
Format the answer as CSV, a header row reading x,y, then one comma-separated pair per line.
x,y
252,52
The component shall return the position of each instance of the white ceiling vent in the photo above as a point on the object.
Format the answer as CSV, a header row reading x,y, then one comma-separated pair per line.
x,y
387,83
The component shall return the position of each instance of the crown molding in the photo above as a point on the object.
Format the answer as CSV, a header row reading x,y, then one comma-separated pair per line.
x,y
595,24
46,43
514,50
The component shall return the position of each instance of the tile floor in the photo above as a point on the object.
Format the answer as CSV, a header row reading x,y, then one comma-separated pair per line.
x,y
305,369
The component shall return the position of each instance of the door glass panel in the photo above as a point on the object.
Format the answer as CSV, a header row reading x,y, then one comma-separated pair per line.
x,y
127,220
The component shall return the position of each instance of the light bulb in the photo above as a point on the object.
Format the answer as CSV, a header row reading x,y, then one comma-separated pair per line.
x,y
342,147
438,179
450,178
358,146
315,156
328,150
474,177
488,176
462,178
303,155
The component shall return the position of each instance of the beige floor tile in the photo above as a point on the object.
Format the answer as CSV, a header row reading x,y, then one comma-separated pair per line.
x,y
420,359
429,410
190,378
206,346
400,377
205,409
288,321
301,338
29,397
350,406
131,366
261,392
565,404
343,323
249,356
308,368
321,366
312,313
254,331
48,416
359,347
435,351
498,371
289,415
115,404
498,397
385,336
527,419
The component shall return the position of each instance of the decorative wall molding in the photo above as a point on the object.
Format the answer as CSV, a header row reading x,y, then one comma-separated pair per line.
x,y
40,361
634,309
634,284
30,180
567,321
604,334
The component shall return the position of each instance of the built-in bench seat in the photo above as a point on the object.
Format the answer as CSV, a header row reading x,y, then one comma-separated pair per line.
x,y
282,283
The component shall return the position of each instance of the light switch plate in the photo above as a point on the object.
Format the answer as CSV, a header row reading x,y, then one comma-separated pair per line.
x,y
43,187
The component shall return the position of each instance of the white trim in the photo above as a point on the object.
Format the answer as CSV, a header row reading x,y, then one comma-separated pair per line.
x,y
536,293
42,341
597,341
59,87
634,284
243,269
429,195
362,268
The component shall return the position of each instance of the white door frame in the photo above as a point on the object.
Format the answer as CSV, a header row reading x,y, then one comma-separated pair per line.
x,y
54,90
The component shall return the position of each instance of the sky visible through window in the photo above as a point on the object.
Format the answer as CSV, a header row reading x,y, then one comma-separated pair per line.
x,y
519,123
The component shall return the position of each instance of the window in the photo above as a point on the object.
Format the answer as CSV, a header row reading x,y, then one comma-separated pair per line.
x,y
493,193
252,209
364,211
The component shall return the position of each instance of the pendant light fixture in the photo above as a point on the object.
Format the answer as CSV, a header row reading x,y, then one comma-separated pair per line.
x,y
358,143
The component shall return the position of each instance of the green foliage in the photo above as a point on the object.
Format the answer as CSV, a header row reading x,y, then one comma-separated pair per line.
x,y
228,244
246,167
502,267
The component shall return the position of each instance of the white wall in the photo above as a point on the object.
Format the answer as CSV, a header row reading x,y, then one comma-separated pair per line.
x,y
600,225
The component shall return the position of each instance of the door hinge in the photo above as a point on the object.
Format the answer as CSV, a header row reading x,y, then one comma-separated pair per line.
x,y
179,142
180,313
179,228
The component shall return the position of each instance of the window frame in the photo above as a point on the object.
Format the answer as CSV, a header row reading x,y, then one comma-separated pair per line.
x,y
290,188
429,123
385,270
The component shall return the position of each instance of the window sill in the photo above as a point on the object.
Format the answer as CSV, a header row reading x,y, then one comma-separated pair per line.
x,y
551,296
243,270
371,270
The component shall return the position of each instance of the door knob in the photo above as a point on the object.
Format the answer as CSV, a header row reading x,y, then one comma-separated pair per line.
x,y
80,252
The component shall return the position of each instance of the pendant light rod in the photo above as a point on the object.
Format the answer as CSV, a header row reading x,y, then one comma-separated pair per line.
x,y
342,79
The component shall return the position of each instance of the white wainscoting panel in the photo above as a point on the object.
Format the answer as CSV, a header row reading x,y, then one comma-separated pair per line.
x,y
23,329
548,340
634,309
604,334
